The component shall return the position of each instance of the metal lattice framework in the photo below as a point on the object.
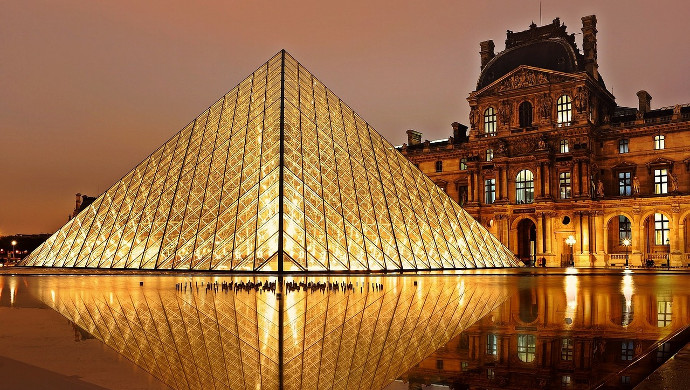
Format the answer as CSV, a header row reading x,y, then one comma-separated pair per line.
x,y
277,175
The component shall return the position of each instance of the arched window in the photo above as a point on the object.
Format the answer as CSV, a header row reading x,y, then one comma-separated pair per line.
x,y
490,121
525,114
439,166
524,187
564,109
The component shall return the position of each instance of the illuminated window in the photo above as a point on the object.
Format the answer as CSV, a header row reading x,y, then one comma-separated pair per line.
x,y
660,181
660,229
627,350
526,347
489,191
567,349
564,146
463,164
663,313
490,121
659,142
439,166
525,114
564,110
524,187
489,154
464,366
623,146
624,228
491,344
490,373
564,185
624,183
565,381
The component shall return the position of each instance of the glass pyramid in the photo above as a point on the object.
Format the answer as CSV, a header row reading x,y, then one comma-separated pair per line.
x,y
277,175
200,338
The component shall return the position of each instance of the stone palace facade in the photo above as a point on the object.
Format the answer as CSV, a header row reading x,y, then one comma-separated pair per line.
x,y
555,168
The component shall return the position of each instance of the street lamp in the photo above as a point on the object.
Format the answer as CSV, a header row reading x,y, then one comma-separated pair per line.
x,y
626,244
13,245
571,241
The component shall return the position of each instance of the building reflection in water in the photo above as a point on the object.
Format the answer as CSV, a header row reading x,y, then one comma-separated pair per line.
x,y
189,334
573,332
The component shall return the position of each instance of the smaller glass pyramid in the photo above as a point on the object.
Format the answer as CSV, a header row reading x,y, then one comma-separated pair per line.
x,y
277,175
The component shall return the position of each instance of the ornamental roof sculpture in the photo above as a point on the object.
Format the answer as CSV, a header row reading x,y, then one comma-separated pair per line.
x,y
277,175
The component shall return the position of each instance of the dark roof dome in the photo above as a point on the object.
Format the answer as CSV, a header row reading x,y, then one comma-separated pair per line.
x,y
547,47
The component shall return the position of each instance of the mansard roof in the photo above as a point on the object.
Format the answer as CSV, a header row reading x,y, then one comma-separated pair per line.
x,y
546,47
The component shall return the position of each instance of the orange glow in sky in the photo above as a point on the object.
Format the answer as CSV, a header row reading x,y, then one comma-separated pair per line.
x,y
89,88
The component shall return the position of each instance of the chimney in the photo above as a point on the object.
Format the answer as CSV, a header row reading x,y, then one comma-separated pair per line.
x,y
459,132
414,137
589,44
487,52
645,100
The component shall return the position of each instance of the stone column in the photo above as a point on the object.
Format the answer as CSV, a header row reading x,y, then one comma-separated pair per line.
x,y
675,257
599,229
479,185
537,182
499,183
505,183
585,233
470,189
549,233
585,178
539,241
576,179
547,180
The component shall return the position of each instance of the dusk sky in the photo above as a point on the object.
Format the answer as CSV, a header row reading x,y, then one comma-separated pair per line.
x,y
90,88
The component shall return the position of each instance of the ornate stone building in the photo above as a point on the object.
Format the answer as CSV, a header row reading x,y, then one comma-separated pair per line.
x,y
555,168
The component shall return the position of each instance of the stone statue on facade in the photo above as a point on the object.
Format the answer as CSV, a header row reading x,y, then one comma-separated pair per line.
x,y
504,112
581,99
474,117
545,104
636,186
674,182
600,189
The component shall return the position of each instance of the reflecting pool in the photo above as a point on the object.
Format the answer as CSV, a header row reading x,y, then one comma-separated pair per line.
x,y
372,332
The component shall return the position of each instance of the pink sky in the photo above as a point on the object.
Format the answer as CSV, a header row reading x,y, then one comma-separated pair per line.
x,y
90,88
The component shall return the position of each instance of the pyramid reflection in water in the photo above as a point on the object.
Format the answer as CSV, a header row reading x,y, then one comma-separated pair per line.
x,y
277,175
333,339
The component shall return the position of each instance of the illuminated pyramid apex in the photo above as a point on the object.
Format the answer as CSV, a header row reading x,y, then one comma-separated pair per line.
x,y
277,175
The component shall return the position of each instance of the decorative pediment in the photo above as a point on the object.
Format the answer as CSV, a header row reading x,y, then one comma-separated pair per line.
x,y
522,77
624,165
660,162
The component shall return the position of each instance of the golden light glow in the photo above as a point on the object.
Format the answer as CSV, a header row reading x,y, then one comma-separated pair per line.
x,y
363,337
210,198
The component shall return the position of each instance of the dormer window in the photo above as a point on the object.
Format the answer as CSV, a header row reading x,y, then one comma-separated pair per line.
x,y
439,166
564,110
490,121
659,142
525,114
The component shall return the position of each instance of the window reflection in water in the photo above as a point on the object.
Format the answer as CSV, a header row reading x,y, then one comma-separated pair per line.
x,y
574,331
